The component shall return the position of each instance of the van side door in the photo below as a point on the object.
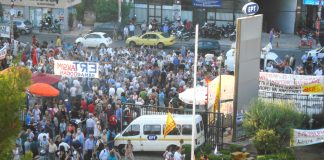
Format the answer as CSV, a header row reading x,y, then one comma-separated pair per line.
x,y
152,134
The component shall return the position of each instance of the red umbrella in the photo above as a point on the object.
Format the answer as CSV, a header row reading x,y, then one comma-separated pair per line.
x,y
45,78
43,89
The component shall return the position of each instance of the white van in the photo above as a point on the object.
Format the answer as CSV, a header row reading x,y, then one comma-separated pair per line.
x,y
146,133
265,54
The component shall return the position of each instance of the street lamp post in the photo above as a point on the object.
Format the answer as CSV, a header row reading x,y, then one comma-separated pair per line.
x,y
119,11
12,13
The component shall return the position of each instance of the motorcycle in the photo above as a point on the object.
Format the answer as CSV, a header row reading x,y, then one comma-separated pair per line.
x,y
46,25
181,34
232,36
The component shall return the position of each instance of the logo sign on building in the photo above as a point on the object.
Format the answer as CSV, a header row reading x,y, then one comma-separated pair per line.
x,y
312,2
76,69
306,137
207,3
4,31
250,8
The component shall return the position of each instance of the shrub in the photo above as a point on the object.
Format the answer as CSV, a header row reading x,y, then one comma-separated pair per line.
x,y
207,148
219,157
266,141
187,151
278,116
235,148
28,156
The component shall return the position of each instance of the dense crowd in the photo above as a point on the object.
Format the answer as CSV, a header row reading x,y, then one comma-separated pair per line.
x,y
83,120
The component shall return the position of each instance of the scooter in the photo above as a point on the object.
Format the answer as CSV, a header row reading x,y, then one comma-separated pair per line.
x,y
232,36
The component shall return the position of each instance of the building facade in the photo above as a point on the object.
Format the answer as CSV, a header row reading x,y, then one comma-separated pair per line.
x,y
285,15
34,10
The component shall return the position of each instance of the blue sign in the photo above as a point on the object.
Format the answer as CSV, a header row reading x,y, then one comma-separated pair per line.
x,y
207,3
250,8
151,137
312,2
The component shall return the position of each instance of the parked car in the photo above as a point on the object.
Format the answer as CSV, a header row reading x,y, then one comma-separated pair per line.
x,y
109,28
95,39
265,55
207,46
158,39
23,26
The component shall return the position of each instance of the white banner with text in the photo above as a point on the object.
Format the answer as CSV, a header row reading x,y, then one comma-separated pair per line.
x,y
76,69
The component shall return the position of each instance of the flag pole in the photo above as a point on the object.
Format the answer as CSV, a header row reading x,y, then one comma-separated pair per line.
x,y
195,93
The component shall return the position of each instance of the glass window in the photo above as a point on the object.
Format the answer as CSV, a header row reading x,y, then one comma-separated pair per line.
x,y
89,36
186,129
146,36
18,23
27,22
165,35
106,35
132,130
175,131
95,36
152,129
153,36
198,128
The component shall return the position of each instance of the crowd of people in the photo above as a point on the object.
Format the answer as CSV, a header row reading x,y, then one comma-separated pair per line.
x,y
88,113
311,65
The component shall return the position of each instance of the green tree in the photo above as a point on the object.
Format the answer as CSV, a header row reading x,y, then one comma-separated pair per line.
x,y
80,9
280,117
107,10
13,83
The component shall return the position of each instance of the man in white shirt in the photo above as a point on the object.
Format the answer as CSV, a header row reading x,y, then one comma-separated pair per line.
x,y
131,29
177,154
73,91
104,153
90,124
319,72
125,32
112,91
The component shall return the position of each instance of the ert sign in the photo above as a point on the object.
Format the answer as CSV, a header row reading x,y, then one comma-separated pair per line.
x,y
250,8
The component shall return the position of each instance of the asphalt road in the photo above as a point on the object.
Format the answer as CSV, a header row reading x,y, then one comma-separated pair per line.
x,y
71,38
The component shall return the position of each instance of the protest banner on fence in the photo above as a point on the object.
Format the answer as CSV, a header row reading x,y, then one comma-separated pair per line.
x,y
76,69
290,83
306,137
3,52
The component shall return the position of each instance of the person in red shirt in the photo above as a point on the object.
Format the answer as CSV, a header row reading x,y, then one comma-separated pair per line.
x,y
34,56
83,104
34,40
91,108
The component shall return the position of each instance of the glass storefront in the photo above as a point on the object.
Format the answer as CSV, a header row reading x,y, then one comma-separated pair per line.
x,y
36,14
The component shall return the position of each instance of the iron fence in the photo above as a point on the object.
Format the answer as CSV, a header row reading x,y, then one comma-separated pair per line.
x,y
309,104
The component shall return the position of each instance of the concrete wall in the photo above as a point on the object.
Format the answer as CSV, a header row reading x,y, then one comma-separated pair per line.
x,y
281,14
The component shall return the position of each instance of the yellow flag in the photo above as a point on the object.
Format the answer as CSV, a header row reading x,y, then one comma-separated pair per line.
x,y
218,94
170,125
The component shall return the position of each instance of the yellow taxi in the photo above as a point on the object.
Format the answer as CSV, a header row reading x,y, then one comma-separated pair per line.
x,y
158,39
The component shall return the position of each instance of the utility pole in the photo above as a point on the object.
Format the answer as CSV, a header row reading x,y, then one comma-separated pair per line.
x,y
12,13
119,11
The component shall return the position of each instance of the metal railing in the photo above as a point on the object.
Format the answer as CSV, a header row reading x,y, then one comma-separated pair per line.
x,y
309,104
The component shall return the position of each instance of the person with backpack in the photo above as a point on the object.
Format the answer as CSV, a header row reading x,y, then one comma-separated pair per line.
x,y
104,153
